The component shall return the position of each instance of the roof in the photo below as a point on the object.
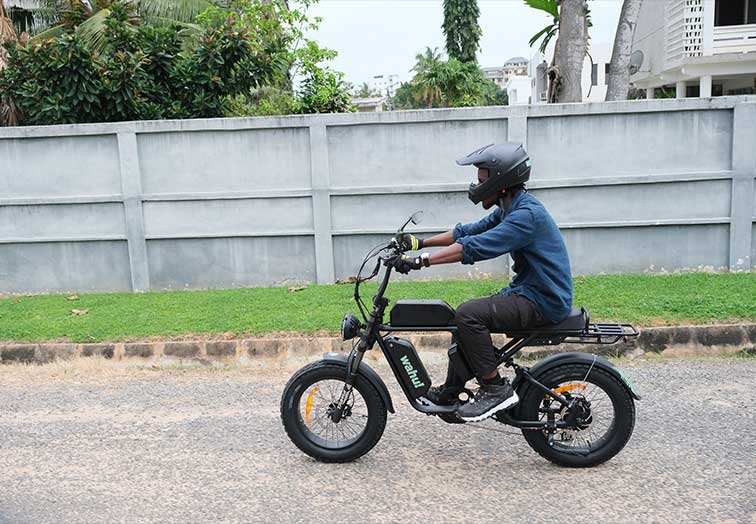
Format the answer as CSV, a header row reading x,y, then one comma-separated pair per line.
x,y
515,59
369,102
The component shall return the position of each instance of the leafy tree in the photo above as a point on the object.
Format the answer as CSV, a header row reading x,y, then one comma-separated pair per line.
x,y
265,100
405,97
325,91
279,30
240,61
461,29
140,73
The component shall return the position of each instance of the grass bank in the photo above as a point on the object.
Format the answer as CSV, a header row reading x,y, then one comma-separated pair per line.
x,y
643,299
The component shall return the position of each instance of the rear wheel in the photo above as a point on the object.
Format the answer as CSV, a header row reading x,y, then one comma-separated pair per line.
x,y
308,411
602,419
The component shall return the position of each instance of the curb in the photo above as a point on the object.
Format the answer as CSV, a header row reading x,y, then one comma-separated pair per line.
x,y
674,341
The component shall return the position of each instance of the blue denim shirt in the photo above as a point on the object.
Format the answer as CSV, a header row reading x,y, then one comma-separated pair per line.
x,y
529,234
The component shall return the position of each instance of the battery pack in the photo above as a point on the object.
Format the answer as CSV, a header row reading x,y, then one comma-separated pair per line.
x,y
407,366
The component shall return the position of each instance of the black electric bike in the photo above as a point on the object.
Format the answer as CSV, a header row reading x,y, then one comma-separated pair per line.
x,y
575,409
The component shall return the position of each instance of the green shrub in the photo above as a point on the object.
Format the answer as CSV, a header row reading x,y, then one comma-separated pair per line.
x,y
141,73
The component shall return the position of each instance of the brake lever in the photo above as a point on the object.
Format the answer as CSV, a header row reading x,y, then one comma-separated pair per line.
x,y
394,245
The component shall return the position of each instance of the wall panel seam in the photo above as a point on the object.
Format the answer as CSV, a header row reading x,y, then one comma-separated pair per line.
x,y
48,240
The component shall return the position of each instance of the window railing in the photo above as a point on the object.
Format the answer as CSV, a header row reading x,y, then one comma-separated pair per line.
x,y
734,39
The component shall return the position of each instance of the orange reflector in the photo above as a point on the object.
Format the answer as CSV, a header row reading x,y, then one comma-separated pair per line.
x,y
308,406
568,387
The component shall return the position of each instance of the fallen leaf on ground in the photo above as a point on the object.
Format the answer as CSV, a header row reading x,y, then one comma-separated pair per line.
x,y
348,280
73,297
293,289
79,312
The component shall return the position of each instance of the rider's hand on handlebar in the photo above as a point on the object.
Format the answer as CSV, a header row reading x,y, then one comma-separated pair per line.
x,y
408,242
404,264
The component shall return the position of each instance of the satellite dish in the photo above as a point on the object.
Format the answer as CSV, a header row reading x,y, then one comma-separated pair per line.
x,y
636,60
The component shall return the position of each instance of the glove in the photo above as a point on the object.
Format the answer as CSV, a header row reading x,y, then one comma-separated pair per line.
x,y
408,242
404,264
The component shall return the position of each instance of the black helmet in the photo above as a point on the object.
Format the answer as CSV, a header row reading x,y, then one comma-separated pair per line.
x,y
508,165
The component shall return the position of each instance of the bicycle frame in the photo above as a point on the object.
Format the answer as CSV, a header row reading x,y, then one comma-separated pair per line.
x,y
372,335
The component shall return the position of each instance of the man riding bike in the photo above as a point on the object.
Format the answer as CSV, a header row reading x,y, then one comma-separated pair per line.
x,y
540,293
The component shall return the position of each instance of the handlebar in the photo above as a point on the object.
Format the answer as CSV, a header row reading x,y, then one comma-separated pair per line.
x,y
384,285
392,250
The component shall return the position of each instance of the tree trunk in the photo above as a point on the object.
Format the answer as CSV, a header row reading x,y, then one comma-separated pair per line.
x,y
569,52
7,34
9,113
619,67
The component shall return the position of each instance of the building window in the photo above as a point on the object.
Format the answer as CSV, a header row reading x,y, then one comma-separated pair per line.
x,y
606,74
594,74
734,12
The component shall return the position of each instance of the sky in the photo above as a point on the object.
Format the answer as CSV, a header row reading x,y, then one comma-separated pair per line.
x,y
376,37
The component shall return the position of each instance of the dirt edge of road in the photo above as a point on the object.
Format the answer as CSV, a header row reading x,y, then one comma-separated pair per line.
x,y
670,341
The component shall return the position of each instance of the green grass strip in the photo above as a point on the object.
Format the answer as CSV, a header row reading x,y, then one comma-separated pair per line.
x,y
642,299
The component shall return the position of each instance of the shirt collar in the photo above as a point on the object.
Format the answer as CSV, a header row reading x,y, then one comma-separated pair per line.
x,y
515,203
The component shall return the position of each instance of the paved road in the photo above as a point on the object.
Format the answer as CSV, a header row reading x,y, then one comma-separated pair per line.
x,y
122,445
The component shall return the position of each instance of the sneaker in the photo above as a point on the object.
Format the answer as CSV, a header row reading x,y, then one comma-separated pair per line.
x,y
443,395
488,400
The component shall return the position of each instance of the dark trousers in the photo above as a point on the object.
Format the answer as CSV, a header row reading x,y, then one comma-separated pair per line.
x,y
478,318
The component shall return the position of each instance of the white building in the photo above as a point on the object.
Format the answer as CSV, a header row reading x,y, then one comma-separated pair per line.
x,y
516,66
494,73
385,85
702,47
518,90
594,74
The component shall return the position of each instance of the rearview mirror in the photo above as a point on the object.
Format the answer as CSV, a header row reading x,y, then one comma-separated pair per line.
x,y
415,219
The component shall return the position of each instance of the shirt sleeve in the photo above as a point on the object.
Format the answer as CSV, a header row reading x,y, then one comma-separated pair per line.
x,y
475,228
512,233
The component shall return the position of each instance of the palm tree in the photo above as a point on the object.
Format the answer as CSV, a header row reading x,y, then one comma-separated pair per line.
x,y
9,114
571,20
364,91
7,34
428,77
424,61
550,7
618,79
51,18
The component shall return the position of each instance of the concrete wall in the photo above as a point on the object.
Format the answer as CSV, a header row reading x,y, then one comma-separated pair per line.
x,y
635,186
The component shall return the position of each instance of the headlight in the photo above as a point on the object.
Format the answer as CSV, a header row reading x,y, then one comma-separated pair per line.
x,y
350,327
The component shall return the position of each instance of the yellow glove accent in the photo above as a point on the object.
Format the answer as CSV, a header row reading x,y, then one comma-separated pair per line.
x,y
415,243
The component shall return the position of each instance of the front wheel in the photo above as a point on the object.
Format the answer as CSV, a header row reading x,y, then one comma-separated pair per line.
x,y
603,417
307,410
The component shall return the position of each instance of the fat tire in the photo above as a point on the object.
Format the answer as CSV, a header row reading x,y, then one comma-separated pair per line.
x,y
624,418
322,370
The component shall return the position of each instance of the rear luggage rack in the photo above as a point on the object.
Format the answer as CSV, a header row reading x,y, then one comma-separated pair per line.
x,y
602,333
